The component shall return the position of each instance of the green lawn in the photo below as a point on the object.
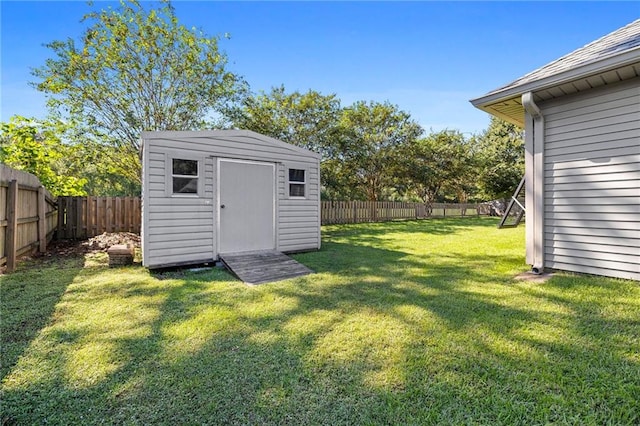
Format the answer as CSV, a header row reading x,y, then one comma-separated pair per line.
x,y
404,323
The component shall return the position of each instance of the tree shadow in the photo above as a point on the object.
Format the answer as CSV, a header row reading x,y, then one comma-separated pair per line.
x,y
377,336
28,298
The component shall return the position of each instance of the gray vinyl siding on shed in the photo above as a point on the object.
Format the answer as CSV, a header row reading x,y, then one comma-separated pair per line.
x,y
592,181
182,228
298,219
179,229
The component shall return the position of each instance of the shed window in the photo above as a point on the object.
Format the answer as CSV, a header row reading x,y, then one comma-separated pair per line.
x,y
297,182
185,176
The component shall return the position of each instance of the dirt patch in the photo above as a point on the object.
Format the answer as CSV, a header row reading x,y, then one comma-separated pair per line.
x,y
534,278
69,248
104,241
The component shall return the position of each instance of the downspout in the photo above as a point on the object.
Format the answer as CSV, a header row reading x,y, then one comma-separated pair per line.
x,y
534,181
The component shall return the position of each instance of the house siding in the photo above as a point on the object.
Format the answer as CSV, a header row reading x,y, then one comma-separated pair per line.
x,y
592,181
182,229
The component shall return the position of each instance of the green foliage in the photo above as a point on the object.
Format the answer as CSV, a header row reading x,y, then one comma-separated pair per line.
x,y
106,168
135,70
35,147
357,143
440,160
501,159
371,134
308,120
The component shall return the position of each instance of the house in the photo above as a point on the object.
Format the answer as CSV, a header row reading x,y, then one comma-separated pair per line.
x,y
581,115
208,193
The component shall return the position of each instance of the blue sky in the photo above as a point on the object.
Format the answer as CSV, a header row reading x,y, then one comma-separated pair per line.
x,y
429,58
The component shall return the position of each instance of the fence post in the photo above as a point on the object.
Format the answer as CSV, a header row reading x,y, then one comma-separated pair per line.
x,y
108,211
355,211
12,225
60,218
42,220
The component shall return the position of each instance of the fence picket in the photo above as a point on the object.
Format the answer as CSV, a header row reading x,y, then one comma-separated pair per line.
x,y
86,217
333,212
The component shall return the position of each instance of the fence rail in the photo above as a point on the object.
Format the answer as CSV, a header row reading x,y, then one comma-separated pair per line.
x,y
86,217
28,215
333,212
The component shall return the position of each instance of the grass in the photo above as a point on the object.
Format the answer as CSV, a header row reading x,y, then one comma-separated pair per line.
x,y
404,323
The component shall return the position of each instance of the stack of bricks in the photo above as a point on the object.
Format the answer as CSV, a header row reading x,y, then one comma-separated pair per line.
x,y
120,255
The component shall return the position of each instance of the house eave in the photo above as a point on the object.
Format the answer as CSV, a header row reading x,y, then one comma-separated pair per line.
x,y
491,102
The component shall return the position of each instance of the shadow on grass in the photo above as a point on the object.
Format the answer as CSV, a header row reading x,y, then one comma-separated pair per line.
x,y
27,301
377,336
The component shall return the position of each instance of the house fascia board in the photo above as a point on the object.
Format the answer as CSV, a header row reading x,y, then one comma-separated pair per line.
x,y
593,68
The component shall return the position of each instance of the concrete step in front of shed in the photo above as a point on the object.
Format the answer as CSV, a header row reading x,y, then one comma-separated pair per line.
x,y
261,267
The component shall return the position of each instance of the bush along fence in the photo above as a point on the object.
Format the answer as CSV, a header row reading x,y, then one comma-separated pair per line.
x,y
334,212
28,215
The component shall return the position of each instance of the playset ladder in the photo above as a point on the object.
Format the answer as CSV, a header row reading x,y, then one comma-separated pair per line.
x,y
515,209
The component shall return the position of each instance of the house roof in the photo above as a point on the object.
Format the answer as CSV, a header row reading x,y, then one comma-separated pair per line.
x,y
612,58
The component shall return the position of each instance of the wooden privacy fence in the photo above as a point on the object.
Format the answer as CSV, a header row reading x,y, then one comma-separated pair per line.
x,y
28,215
379,211
86,217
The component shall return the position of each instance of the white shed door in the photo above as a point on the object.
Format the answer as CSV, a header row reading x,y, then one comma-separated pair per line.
x,y
246,213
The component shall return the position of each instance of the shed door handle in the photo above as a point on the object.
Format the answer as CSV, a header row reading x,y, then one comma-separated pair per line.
x,y
222,206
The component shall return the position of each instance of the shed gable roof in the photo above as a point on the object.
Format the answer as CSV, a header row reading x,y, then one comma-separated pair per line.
x,y
230,135
618,51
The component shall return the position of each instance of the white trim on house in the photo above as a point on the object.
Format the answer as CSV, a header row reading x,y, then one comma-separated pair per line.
x,y
534,182
594,68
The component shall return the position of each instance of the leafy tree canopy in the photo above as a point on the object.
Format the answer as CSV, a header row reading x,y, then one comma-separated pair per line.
x,y
34,147
501,159
306,119
134,70
371,135
441,159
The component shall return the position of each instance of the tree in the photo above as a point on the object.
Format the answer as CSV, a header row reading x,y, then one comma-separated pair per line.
x,y
308,120
440,160
35,147
101,166
371,136
501,159
136,70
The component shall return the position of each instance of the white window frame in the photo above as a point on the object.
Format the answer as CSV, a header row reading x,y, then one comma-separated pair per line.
x,y
169,175
305,183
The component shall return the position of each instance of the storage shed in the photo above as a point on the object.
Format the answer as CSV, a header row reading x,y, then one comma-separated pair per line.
x,y
581,115
208,193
